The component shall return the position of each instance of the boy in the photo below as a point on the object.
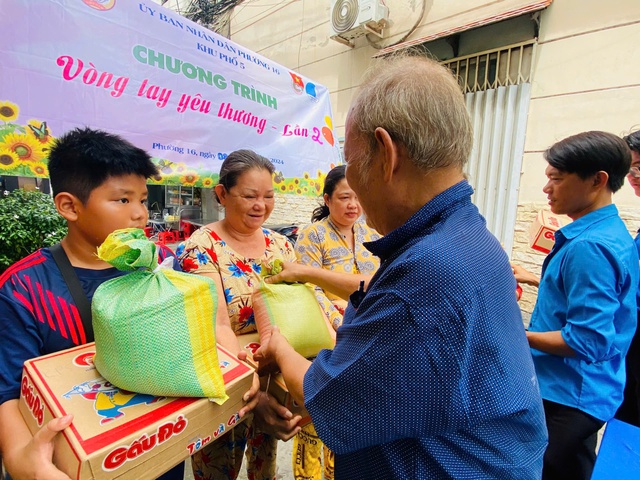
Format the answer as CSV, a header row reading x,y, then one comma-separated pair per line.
x,y
99,185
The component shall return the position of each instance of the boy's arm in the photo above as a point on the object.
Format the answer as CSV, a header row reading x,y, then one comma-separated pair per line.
x,y
550,342
26,456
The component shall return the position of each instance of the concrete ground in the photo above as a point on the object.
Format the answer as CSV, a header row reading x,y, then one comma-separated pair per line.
x,y
284,472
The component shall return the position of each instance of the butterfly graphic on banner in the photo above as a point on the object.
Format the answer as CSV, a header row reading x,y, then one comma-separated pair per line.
x,y
40,132
165,166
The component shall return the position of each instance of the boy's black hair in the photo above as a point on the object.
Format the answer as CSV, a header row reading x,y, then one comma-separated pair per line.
x,y
587,153
83,159
633,140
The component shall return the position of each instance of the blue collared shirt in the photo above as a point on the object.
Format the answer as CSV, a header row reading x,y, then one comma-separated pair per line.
x,y
637,242
431,376
588,292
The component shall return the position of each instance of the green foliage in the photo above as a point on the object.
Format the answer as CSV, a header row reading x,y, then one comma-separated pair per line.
x,y
28,221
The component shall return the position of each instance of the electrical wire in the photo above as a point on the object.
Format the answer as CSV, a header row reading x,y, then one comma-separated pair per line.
x,y
411,30
212,14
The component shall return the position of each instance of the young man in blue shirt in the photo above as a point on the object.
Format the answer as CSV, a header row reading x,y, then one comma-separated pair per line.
x,y
629,411
585,314
431,375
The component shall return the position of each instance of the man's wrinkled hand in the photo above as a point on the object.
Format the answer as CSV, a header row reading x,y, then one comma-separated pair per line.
x,y
266,354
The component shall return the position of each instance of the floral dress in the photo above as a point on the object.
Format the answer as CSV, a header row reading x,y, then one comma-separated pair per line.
x,y
206,252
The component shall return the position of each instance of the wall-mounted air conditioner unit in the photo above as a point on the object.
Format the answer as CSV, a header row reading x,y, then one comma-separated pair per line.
x,y
351,19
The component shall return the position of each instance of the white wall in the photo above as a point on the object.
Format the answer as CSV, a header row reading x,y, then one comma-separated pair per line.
x,y
586,77
585,72
295,33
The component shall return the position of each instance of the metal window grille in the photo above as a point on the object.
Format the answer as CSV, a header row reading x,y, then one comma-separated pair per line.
x,y
491,69
497,89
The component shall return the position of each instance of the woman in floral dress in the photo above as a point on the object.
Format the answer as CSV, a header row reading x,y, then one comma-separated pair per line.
x,y
233,252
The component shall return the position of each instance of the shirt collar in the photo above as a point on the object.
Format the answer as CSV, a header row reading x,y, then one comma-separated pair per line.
x,y
578,226
431,212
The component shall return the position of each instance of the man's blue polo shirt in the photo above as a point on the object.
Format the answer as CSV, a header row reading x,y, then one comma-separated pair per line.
x,y
431,375
588,292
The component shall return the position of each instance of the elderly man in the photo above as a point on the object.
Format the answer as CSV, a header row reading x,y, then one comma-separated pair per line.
x,y
431,376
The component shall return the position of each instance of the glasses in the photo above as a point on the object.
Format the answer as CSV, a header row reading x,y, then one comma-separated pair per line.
x,y
634,172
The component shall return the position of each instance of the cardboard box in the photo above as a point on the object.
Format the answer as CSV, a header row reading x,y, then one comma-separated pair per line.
x,y
273,384
119,434
542,230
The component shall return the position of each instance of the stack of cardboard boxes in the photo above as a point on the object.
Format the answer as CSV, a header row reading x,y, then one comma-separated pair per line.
x,y
543,228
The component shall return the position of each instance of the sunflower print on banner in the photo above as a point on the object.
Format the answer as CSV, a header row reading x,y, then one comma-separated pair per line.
x,y
23,148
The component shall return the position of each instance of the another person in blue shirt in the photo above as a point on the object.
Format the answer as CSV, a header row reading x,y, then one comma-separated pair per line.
x,y
629,411
431,376
585,314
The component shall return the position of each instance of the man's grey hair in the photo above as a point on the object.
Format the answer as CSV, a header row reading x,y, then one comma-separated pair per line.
x,y
420,104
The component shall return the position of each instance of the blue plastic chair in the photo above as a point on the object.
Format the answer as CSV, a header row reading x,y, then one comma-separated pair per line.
x,y
619,454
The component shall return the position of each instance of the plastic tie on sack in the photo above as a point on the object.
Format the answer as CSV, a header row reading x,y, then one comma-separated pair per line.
x,y
129,249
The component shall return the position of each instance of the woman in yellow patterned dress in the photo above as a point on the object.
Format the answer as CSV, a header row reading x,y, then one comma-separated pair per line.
x,y
232,252
334,242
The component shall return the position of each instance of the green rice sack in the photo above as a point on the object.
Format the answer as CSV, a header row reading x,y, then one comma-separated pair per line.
x,y
155,327
296,312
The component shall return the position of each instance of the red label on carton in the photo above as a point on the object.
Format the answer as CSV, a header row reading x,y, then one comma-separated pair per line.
x,y
33,400
543,228
116,458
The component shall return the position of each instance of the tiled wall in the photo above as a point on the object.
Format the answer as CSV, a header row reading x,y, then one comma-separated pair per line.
x,y
532,260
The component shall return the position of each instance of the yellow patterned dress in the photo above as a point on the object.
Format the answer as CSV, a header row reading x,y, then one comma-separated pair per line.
x,y
322,245
206,252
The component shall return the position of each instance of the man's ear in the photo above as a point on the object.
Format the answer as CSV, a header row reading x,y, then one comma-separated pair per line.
x,y
389,152
67,206
601,179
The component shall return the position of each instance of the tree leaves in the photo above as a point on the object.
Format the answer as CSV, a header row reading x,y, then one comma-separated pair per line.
x,y
28,221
